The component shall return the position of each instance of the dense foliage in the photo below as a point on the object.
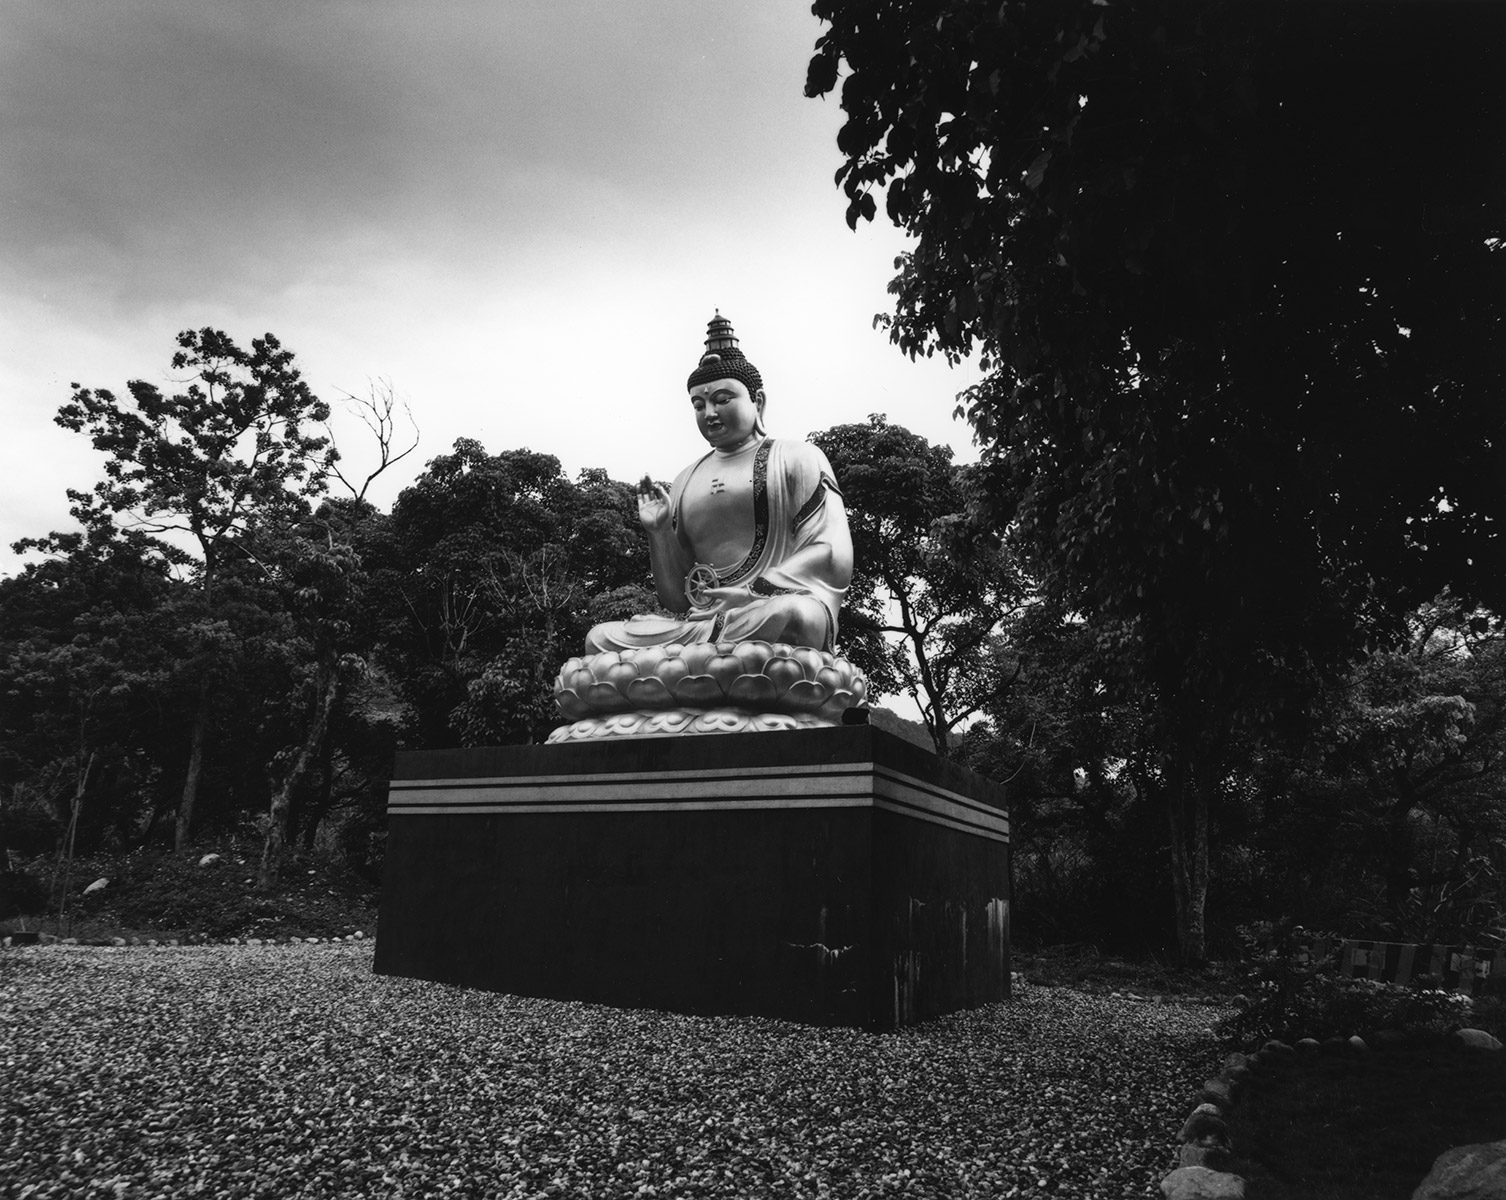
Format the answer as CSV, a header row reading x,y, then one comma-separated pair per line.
x,y
931,592
214,653
1235,274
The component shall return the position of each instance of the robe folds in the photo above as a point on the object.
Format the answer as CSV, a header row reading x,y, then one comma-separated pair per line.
x,y
797,507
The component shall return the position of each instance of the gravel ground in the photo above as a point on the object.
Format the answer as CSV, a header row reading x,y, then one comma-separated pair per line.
x,y
284,1071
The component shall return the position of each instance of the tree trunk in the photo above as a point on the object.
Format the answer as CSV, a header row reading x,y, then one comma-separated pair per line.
x,y
327,686
81,785
1187,813
316,813
195,771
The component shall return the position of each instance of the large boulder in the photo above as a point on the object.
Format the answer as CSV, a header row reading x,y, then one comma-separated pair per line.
x,y
1204,1128
1201,1183
1477,1039
1475,1172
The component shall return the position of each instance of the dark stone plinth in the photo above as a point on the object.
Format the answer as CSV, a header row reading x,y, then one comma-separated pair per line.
x,y
833,876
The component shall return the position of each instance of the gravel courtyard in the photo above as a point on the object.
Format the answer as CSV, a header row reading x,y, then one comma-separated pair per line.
x,y
284,1071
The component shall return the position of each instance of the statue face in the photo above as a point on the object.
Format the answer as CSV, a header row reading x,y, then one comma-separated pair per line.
x,y
724,411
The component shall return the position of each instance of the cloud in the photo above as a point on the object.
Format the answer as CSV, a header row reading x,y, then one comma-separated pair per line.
x,y
522,214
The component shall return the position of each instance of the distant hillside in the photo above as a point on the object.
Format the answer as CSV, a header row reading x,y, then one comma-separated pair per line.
x,y
911,731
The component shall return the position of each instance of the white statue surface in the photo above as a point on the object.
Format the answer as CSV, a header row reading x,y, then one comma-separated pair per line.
x,y
751,557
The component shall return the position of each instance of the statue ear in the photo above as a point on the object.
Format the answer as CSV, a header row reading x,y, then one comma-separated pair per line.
x,y
758,401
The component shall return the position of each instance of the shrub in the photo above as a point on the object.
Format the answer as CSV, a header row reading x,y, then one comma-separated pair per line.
x,y
1296,994
1489,1013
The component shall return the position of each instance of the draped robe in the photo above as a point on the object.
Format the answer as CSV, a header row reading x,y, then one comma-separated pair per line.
x,y
796,506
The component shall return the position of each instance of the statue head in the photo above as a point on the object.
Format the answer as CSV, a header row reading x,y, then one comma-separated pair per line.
x,y
724,364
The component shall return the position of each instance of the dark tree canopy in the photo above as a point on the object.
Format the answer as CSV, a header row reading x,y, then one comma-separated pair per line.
x,y
1236,275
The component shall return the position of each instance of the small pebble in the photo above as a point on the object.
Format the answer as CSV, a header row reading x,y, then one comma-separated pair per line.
x,y
216,1072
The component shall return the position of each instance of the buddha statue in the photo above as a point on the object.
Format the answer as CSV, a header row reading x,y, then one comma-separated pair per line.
x,y
751,556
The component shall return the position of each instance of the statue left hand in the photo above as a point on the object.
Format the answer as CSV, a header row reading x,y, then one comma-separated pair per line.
x,y
720,600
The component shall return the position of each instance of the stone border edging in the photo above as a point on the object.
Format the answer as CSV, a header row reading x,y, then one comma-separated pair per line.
x,y
1205,1148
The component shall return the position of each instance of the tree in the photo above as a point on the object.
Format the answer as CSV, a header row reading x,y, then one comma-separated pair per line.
x,y
507,564
1242,349
937,585
1398,789
91,682
319,577
225,456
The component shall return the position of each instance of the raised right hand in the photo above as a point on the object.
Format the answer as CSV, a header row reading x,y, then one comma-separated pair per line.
x,y
653,505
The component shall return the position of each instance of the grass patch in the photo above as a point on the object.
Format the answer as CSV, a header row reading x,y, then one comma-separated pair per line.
x,y
1367,1125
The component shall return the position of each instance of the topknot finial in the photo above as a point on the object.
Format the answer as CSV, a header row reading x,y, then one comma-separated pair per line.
x,y
723,359
719,335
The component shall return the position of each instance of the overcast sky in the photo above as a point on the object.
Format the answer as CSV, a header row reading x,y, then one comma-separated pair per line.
x,y
522,214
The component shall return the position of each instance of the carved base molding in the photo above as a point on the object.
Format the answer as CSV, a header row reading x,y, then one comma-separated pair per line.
x,y
675,722
712,687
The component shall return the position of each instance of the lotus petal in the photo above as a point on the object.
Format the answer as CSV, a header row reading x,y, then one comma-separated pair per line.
x,y
648,659
810,660
804,696
671,671
724,668
753,656
699,690
785,672
603,697
830,678
620,675
697,658
838,703
753,691
649,692
571,705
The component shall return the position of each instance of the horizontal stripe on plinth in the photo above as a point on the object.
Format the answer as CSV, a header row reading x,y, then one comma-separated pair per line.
x,y
823,786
